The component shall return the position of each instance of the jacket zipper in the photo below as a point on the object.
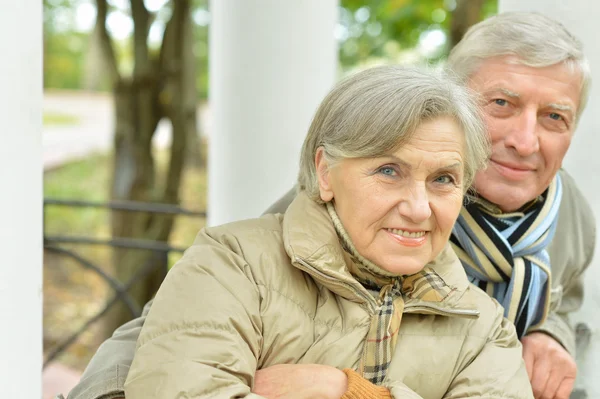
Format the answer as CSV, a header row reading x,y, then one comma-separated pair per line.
x,y
370,302
373,305
471,313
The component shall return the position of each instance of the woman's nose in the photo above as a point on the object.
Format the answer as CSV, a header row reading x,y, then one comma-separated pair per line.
x,y
415,205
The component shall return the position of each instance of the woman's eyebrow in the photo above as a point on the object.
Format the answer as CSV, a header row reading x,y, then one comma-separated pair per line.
x,y
395,159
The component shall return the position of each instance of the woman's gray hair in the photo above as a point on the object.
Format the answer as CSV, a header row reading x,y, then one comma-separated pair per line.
x,y
376,111
536,40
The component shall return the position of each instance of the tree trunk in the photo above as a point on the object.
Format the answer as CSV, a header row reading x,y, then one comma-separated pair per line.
x,y
466,14
163,88
94,68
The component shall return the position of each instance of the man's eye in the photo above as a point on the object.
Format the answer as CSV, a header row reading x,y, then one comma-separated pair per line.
x,y
555,116
501,102
388,171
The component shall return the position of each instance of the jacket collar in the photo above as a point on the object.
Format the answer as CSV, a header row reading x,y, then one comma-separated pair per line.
x,y
313,245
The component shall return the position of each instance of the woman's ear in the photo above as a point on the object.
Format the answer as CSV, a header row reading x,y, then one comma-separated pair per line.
x,y
323,175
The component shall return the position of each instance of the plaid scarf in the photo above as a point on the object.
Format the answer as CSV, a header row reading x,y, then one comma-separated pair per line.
x,y
391,292
505,254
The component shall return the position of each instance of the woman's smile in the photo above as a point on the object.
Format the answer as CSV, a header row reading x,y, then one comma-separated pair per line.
x,y
408,238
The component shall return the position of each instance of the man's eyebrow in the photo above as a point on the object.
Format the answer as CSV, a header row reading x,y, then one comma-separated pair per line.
x,y
506,92
561,107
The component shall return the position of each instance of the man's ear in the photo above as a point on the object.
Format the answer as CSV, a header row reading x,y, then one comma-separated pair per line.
x,y
323,175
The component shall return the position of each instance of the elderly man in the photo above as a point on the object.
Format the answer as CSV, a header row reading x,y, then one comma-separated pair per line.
x,y
526,235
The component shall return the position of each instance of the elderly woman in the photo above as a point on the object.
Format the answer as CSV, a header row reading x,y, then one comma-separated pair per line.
x,y
357,276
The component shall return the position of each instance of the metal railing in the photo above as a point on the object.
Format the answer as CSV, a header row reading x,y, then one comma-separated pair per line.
x,y
54,244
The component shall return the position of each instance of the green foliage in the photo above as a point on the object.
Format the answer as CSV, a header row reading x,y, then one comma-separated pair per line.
x,y
368,29
387,28
64,47
64,60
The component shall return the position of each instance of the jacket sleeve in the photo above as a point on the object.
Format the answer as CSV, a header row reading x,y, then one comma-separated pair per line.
x,y
497,371
105,375
577,218
202,337
557,323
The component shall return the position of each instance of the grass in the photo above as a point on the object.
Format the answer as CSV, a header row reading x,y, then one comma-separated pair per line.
x,y
90,180
59,119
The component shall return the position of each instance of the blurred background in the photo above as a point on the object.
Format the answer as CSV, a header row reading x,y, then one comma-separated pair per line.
x,y
127,127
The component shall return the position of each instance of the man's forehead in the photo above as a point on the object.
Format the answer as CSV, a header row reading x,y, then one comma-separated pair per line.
x,y
511,75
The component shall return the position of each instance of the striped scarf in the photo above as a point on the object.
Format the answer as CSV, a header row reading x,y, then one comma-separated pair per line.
x,y
390,291
505,254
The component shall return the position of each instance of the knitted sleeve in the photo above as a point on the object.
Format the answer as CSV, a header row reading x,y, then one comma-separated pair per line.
x,y
360,388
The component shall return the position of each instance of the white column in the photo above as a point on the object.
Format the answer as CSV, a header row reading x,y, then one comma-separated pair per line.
x,y
21,199
582,161
271,63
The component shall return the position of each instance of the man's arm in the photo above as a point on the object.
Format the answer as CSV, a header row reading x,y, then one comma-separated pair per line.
x,y
104,377
571,253
557,324
549,349
281,205
498,370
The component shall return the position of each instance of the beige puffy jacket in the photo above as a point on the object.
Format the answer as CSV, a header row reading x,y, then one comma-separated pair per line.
x,y
277,289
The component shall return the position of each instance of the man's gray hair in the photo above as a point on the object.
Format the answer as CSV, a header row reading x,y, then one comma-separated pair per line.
x,y
536,40
374,112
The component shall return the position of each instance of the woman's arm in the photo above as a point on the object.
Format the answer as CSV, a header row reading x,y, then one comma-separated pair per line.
x,y
202,337
498,370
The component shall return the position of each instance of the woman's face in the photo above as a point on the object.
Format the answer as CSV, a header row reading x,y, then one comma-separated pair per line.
x,y
399,209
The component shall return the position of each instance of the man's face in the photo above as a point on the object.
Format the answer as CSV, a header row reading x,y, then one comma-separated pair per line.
x,y
530,115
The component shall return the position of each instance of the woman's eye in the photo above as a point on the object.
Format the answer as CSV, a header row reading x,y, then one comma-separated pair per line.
x,y
501,102
387,170
445,179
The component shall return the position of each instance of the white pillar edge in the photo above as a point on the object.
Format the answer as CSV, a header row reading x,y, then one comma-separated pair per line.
x,y
271,64
21,199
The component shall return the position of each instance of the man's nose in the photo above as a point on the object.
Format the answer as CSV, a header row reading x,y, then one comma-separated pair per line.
x,y
523,134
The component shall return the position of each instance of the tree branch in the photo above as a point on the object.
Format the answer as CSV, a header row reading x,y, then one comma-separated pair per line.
x,y
183,113
141,19
466,14
105,41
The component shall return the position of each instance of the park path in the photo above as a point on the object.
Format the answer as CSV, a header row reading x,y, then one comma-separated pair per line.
x,y
93,132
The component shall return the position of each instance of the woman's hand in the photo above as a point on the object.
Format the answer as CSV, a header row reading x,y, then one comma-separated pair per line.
x,y
300,381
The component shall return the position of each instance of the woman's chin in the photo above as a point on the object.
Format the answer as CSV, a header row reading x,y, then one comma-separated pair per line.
x,y
404,268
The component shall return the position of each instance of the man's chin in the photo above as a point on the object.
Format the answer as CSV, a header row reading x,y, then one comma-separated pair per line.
x,y
511,202
508,197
